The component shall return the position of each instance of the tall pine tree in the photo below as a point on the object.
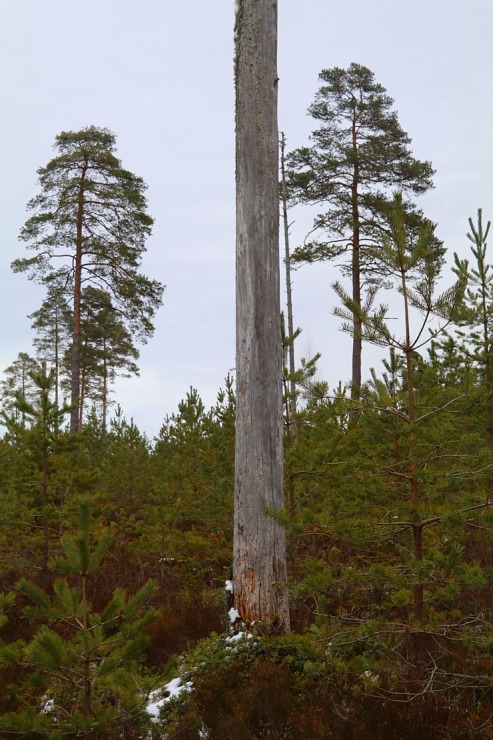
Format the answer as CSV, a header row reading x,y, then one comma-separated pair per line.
x,y
89,227
359,155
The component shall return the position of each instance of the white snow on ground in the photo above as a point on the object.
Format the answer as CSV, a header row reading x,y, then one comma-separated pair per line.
x,y
48,706
156,698
239,636
370,676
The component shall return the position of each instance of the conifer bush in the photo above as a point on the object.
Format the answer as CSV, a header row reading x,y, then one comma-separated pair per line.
x,y
81,668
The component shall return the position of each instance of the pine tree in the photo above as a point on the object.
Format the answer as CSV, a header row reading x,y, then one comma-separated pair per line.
x,y
359,156
193,461
475,338
84,664
415,267
18,379
125,468
52,323
107,349
89,227
45,417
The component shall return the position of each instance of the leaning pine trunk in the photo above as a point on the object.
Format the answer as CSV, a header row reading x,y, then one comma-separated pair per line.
x,y
259,569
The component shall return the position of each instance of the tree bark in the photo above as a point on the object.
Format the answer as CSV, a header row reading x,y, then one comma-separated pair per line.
x,y
259,569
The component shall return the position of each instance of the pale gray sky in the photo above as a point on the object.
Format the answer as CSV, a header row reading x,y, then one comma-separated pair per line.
x,y
159,74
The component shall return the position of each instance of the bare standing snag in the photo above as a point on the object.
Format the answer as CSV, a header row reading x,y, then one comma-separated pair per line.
x,y
260,589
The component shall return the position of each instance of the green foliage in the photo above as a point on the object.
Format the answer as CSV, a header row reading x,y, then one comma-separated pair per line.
x,y
193,468
81,665
6,601
107,349
164,510
81,648
115,225
414,266
45,651
32,439
302,686
53,323
88,229
79,558
17,380
358,159
350,100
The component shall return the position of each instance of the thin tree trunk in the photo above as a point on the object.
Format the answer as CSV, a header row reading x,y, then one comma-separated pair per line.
x,y
23,388
290,386
411,411
83,382
87,705
356,280
105,386
412,466
289,293
76,349
489,387
57,360
259,569
44,506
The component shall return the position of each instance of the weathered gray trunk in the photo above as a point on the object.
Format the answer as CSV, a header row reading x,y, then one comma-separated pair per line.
x,y
259,568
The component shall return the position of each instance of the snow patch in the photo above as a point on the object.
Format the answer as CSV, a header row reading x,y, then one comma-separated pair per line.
x,y
370,676
233,615
239,636
157,700
48,706
228,586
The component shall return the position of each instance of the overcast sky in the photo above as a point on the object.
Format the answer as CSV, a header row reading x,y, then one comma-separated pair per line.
x,y
159,74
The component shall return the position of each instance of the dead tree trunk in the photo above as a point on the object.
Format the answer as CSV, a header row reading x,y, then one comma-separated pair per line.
x,y
259,567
